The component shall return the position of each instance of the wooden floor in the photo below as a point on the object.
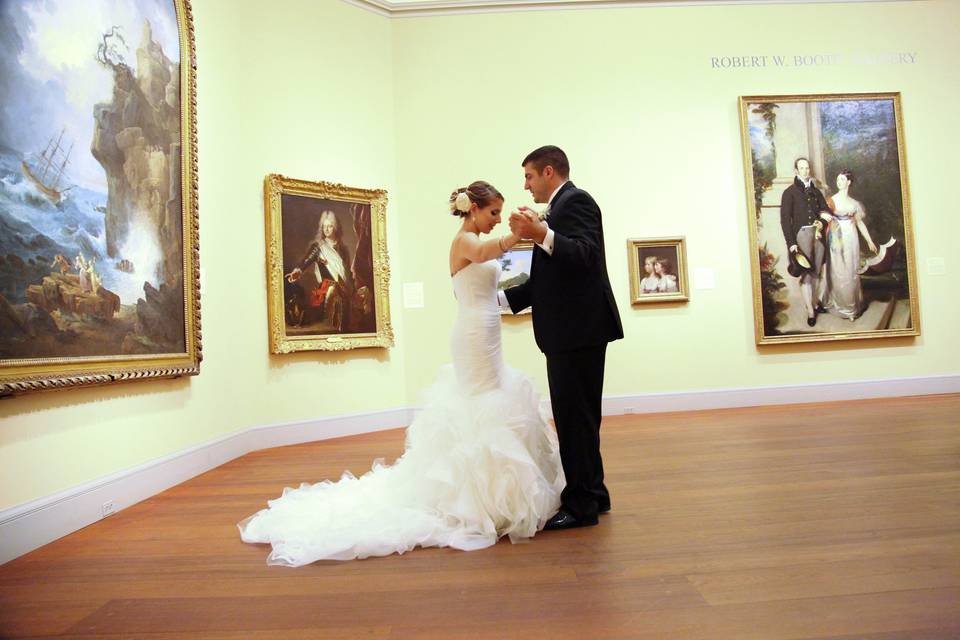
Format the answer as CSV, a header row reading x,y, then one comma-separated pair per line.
x,y
837,520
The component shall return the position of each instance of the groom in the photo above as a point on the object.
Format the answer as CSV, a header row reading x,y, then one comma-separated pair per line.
x,y
574,317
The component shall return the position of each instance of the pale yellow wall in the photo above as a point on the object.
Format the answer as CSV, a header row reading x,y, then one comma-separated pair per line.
x,y
319,89
299,87
653,133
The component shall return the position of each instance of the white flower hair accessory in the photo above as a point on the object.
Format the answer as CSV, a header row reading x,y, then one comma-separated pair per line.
x,y
462,203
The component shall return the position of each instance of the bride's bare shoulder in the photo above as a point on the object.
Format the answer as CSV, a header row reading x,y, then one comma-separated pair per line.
x,y
465,238
460,240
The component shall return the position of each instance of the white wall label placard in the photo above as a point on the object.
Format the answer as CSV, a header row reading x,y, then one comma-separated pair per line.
x,y
413,295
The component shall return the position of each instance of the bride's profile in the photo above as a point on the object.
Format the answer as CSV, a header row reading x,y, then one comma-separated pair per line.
x,y
480,460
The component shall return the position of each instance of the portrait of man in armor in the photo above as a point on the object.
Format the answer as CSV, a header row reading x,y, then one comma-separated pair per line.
x,y
328,266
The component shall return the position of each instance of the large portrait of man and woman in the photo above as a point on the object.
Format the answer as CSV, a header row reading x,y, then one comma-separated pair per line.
x,y
327,265
829,218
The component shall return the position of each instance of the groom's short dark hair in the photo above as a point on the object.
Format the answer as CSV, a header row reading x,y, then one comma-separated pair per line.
x,y
549,155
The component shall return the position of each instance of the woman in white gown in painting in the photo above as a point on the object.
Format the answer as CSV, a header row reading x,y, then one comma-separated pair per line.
x,y
842,294
481,460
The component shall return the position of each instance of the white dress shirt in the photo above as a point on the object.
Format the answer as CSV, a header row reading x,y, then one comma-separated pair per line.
x,y
547,244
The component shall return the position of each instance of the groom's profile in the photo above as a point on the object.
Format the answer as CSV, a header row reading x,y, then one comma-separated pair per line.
x,y
574,317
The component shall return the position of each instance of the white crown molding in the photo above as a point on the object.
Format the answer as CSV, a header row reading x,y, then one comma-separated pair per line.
x,y
423,8
28,526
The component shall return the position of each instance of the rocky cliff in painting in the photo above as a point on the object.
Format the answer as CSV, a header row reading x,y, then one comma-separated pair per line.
x,y
63,292
61,317
137,140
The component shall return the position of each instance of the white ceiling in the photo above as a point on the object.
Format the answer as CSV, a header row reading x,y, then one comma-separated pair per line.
x,y
411,8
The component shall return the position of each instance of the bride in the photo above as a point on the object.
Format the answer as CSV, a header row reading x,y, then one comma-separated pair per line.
x,y
480,460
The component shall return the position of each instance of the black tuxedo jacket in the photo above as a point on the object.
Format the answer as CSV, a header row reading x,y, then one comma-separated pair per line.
x,y
569,291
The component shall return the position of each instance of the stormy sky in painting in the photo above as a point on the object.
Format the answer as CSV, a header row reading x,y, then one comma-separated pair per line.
x,y
50,78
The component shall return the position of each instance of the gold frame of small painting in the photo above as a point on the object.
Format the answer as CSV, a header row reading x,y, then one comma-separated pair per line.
x,y
658,270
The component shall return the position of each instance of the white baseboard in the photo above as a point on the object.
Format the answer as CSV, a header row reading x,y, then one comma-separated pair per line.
x,y
28,526
772,395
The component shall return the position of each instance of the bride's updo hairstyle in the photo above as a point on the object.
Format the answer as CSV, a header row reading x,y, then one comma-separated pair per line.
x,y
480,193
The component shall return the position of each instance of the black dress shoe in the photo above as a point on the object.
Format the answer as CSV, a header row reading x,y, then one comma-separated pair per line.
x,y
812,321
604,508
820,309
565,520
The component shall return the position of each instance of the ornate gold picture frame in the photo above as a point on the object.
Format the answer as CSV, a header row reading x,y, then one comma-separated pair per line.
x,y
658,270
831,237
99,269
328,273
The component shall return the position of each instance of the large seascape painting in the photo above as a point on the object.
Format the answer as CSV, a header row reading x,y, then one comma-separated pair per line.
x,y
98,218
830,227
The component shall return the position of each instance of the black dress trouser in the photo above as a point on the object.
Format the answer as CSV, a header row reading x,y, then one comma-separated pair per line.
x,y
576,388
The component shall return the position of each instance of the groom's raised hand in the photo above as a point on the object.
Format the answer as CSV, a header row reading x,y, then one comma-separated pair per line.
x,y
515,219
526,224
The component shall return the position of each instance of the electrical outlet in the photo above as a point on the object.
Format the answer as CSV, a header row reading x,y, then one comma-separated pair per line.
x,y
628,410
106,509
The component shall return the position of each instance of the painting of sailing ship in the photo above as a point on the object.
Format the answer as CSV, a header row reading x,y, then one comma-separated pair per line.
x,y
47,173
97,202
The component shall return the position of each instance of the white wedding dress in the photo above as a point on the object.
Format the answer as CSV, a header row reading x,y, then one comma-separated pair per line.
x,y
481,461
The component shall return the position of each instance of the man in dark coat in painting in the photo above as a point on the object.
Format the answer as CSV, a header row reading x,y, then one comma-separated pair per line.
x,y
803,210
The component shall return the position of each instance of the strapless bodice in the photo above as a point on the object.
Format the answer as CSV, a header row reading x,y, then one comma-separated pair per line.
x,y
475,286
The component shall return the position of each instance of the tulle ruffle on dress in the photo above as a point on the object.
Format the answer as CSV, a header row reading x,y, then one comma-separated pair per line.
x,y
477,466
